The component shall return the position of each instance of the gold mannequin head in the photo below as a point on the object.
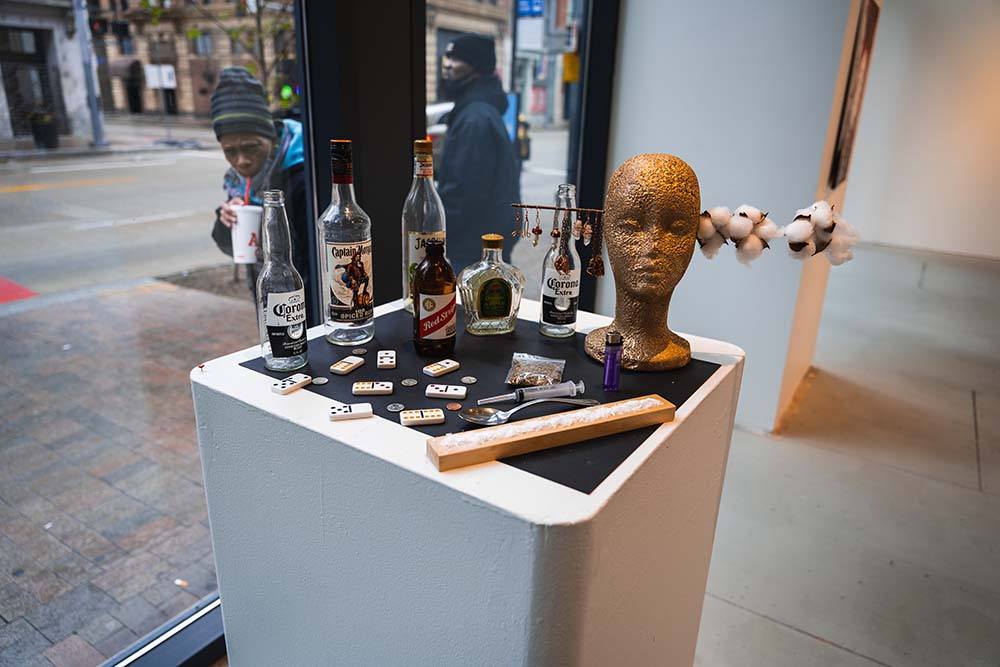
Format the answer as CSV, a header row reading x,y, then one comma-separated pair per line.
x,y
650,221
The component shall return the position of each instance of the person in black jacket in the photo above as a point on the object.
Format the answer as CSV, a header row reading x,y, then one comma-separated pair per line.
x,y
263,154
478,177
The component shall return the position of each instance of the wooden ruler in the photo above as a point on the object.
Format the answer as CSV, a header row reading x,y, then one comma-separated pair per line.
x,y
495,442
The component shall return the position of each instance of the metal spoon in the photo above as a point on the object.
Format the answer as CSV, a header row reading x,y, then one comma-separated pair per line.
x,y
484,415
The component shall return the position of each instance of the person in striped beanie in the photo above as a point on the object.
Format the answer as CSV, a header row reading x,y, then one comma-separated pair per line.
x,y
263,154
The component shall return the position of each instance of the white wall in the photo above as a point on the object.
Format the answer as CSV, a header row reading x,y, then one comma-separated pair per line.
x,y
743,92
928,175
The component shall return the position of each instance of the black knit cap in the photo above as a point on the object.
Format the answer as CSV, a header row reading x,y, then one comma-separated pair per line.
x,y
479,51
239,105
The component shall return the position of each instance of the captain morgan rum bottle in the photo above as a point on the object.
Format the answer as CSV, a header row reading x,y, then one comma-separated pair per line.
x,y
345,239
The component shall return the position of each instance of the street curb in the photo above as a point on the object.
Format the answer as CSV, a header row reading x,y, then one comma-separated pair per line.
x,y
84,151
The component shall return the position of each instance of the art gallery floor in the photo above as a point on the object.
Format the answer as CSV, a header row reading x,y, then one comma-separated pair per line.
x,y
868,531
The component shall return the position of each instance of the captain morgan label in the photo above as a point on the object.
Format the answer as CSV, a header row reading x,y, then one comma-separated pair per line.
x,y
349,276
438,316
560,294
285,321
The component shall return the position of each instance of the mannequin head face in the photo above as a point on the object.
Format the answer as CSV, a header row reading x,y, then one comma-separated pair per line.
x,y
651,217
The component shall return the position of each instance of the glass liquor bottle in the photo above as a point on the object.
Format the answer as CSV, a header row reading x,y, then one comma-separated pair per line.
x,y
435,310
345,242
281,297
561,273
491,291
423,216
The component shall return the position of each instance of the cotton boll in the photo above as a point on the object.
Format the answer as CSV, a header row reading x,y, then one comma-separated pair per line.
x,y
749,249
801,250
800,231
804,213
751,212
720,216
706,229
822,215
767,230
710,248
842,242
739,227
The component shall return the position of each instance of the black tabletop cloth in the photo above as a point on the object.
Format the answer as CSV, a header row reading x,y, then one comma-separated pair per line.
x,y
582,466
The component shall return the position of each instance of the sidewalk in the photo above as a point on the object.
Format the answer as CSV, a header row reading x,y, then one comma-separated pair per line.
x,y
125,134
103,528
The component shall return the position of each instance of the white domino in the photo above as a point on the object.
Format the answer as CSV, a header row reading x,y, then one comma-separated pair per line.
x,y
441,367
352,411
452,391
290,383
421,417
346,365
371,388
386,359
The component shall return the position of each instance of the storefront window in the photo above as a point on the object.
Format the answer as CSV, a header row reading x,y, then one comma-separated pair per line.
x,y
114,284
535,49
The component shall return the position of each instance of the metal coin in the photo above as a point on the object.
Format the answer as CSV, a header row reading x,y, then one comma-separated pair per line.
x,y
395,407
360,350
408,382
468,379
320,380
454,407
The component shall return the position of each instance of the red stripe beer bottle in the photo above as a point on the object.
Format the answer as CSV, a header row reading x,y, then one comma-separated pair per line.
x,y
434,305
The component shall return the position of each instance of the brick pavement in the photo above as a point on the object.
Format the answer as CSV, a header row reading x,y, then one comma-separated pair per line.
x,y
101,499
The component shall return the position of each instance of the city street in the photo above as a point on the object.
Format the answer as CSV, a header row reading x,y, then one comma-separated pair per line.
x,y
70,224
89,221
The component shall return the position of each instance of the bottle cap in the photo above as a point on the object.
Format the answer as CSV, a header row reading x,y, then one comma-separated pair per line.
x,y
423,147
274,197
340,149
494,241
341,165
612,338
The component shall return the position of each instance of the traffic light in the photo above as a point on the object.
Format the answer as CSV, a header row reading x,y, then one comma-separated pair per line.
x,y
99,27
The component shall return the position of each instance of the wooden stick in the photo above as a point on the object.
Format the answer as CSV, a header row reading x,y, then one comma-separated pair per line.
x,y
448,455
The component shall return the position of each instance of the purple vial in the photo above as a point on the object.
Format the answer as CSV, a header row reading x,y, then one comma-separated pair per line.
x,y
612,360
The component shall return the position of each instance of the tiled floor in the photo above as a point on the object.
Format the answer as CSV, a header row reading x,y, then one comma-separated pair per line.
x,y
866,533
103,528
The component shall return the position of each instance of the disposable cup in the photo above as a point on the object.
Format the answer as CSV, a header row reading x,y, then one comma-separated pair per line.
x,y
246,234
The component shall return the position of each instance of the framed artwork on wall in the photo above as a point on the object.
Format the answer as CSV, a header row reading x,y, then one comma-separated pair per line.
x,y
857,77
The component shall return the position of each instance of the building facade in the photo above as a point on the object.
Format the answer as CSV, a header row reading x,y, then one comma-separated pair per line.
x,y
196,40
41,65
447,19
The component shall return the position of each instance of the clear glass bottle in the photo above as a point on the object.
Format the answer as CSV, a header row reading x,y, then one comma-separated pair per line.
x,y
561,273
423,216
345,241
281,297
491,291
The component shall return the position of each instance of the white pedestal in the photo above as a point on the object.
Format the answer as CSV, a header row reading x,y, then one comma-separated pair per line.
x,y
341,544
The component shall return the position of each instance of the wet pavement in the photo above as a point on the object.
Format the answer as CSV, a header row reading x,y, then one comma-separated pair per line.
x,y
103,527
